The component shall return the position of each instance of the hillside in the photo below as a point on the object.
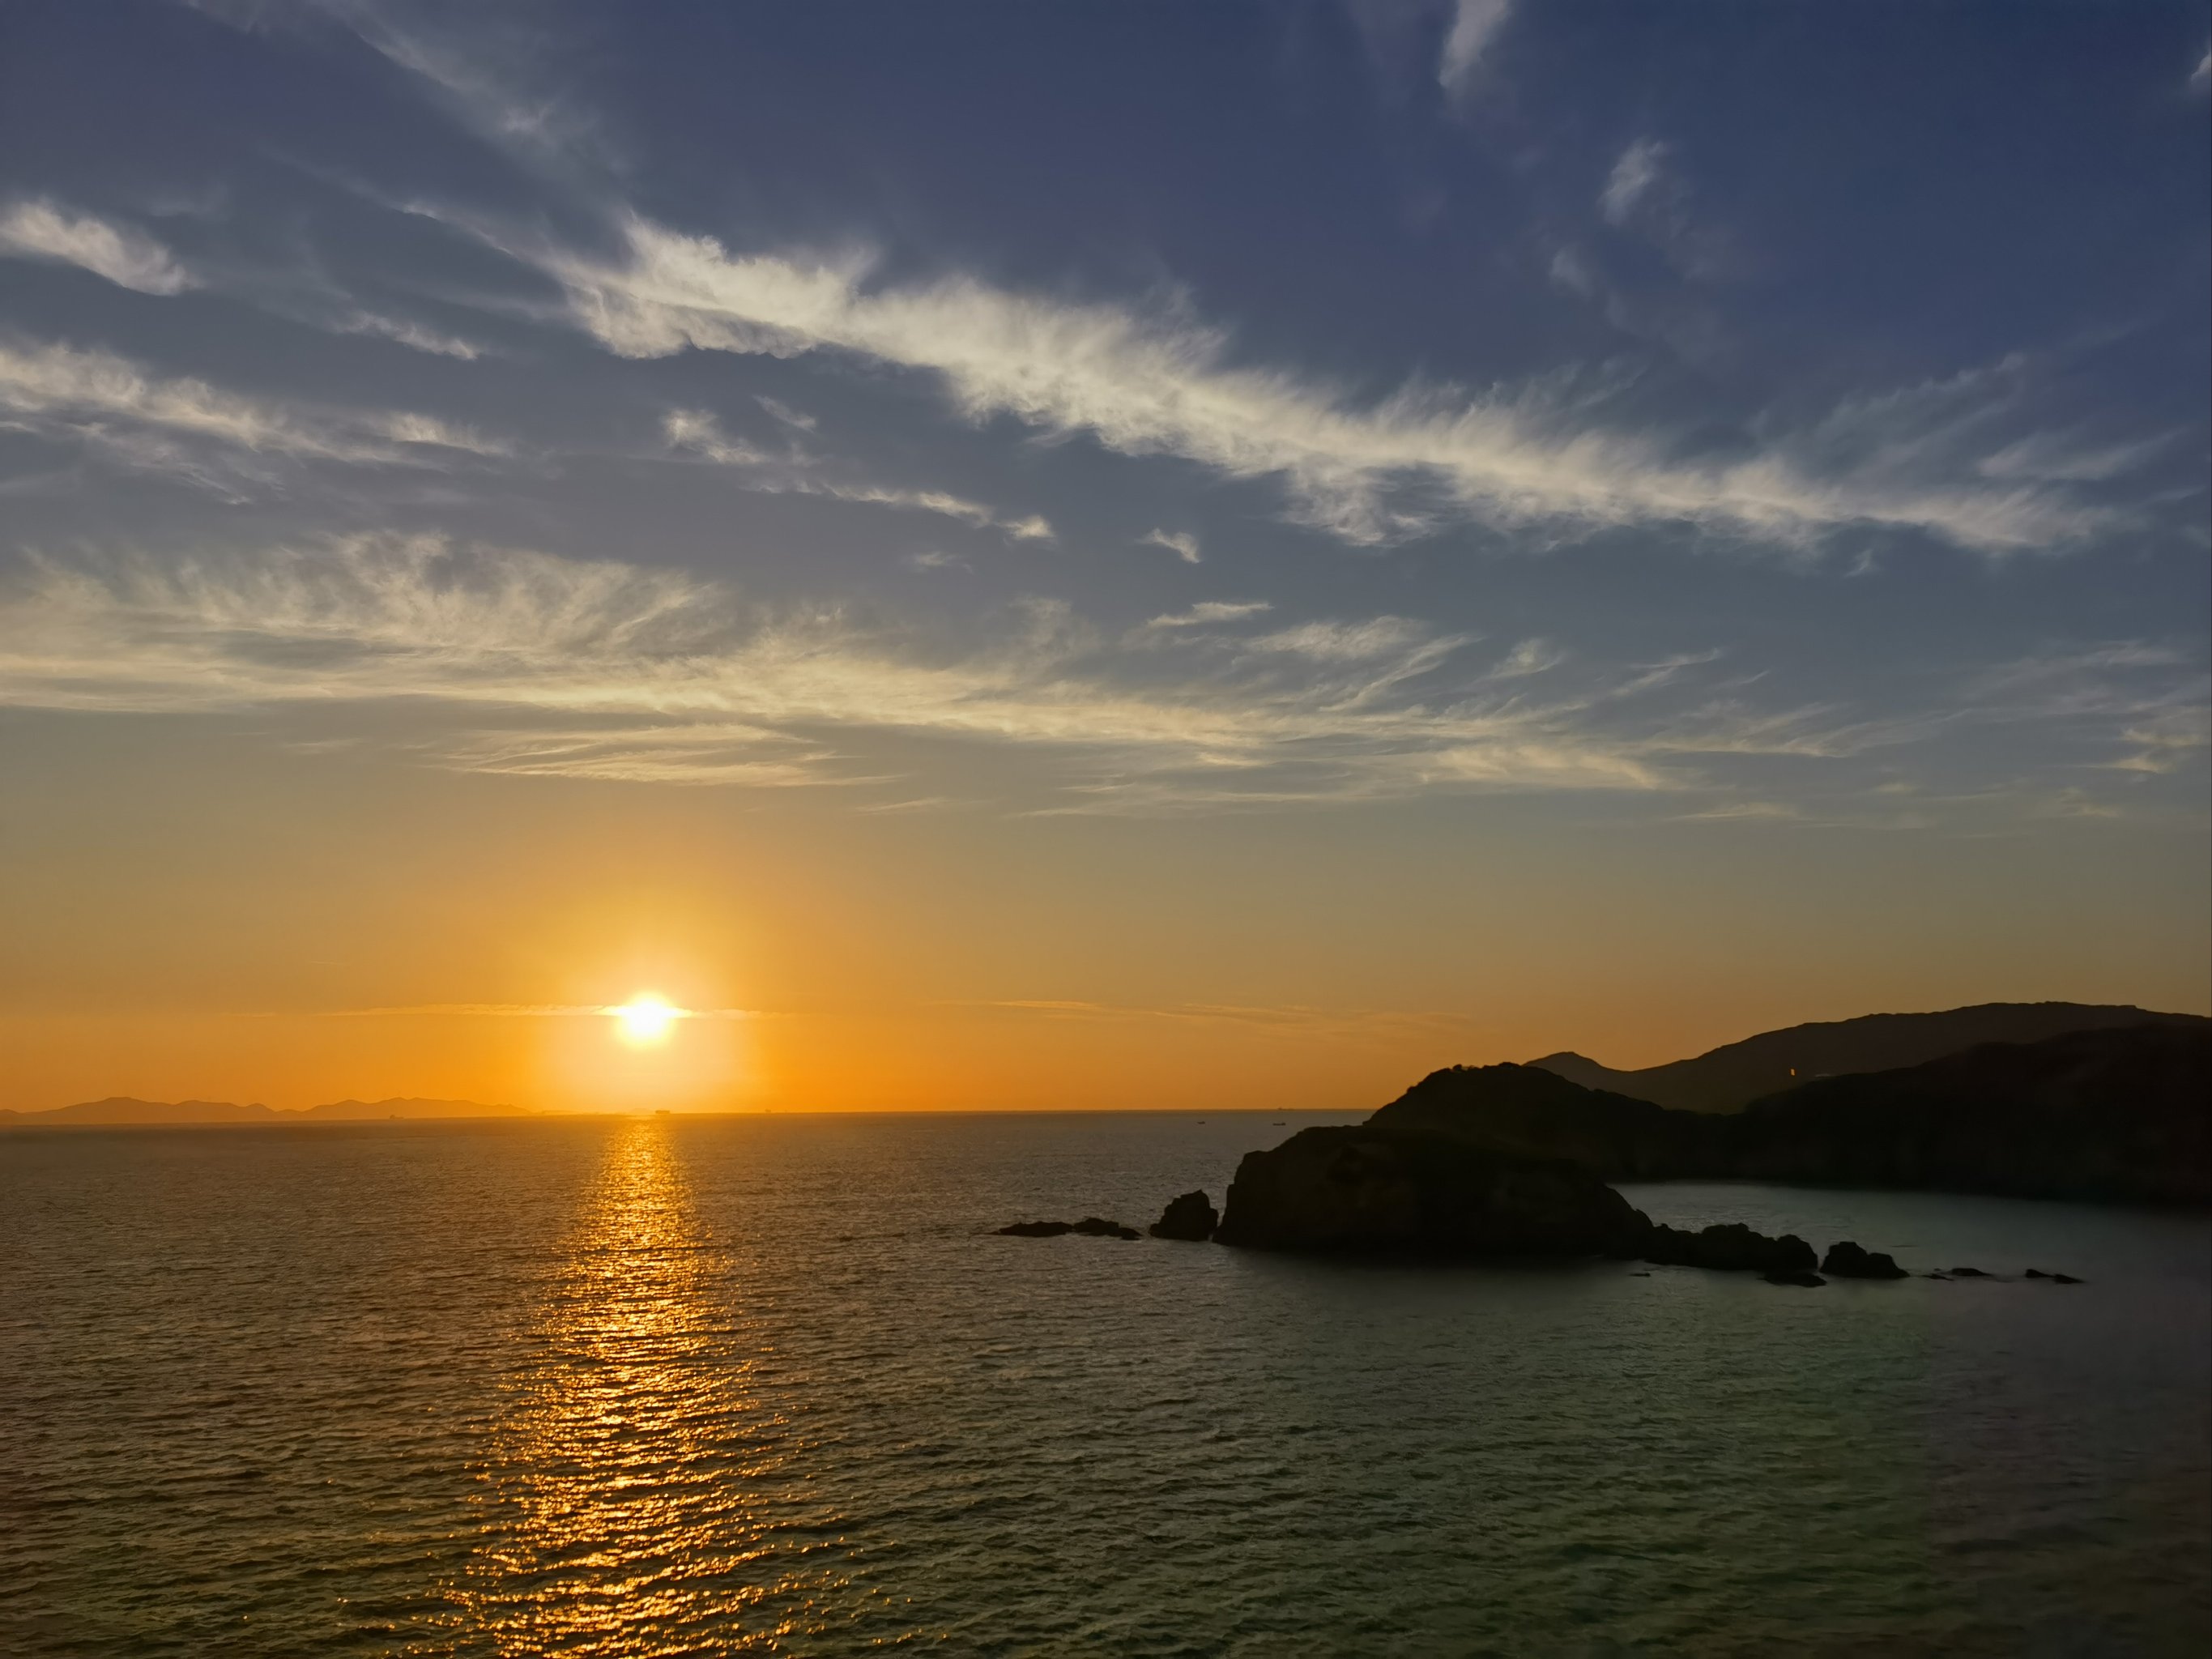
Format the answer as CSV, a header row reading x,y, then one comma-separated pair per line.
x,y
2120,1114
1729,1078
2100,1113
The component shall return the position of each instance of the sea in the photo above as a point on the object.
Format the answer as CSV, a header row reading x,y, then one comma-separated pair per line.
x,y
771,1384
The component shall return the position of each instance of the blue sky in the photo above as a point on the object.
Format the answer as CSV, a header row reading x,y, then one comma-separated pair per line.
x,y
1787,420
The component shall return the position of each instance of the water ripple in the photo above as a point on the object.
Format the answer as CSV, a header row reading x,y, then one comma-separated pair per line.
x,y
671,1387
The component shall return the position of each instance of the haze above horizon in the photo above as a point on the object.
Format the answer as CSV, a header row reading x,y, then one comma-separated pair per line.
x,y
1229,555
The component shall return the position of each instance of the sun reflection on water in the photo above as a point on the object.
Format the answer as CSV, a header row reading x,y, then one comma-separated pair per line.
x,y
634,1500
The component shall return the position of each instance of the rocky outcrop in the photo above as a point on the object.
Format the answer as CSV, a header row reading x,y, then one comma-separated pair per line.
x,y
1530,1112
1847,1259
1730,1247
1369,1189
1090,1226
2056,1279
1191,1217
1365,1190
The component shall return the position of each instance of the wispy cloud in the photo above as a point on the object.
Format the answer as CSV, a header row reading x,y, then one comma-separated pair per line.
x,y
1646,194
1211,611
200,432
2166,740
2149,702
1474,24
41,229
1304,1018
695,432
2079,804
2201,77
524,1010
1361,641
933,559
603,670
486,68
1156,380
1633,178
1144,383
1757,811
412,335
789,416
1529,657
1183,544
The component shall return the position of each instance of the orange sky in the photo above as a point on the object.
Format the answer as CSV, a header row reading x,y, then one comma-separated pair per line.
x,y
1530,545
198,916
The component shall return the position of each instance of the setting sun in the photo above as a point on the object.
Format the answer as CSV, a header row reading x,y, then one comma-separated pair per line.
x,y
645,1019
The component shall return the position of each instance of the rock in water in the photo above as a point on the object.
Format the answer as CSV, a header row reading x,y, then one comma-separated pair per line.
x,y
1354,1188
1810,1281
1090,1226
1191,1216
1848,1260
2056,1279
1368,1187
1095,1226
1732,1247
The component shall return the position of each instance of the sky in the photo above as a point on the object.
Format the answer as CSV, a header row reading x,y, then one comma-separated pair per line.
x,y
1086,555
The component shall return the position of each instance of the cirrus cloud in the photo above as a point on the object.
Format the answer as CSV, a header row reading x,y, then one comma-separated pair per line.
x,y
41,229
516,662
1144,383
202,432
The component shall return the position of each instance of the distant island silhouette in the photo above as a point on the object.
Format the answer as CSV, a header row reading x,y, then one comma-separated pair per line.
x,y
123,1110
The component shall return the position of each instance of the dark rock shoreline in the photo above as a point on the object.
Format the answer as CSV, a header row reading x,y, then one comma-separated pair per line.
x,y
1191,1218
1352,1189
1365,1190
1091,1226
1348,1190
1848,1260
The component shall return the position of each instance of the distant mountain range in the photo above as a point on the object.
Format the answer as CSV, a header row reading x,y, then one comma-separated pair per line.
x,y
1729,1078
121,1109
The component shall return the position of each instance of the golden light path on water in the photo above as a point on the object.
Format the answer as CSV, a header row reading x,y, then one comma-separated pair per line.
x,y
636,1495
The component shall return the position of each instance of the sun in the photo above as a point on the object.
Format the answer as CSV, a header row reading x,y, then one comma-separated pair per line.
x,y
645,1019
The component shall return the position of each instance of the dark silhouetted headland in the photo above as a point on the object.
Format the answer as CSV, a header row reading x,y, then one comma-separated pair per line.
x,y
1514,1160
2118,1114
1729,1078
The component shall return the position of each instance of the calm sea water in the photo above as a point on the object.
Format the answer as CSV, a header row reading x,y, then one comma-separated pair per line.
x,y
633,1387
